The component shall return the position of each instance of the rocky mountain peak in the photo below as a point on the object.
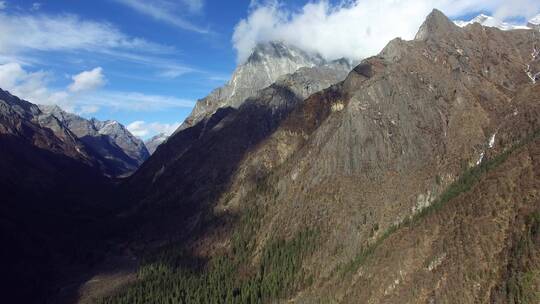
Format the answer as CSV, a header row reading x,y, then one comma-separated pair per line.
x,y
435,25
274,50
13,103
491,21
267,62
534,23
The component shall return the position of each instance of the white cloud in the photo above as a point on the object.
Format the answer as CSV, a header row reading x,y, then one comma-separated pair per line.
x,y
175,71
66,33
2,5
134,101
81,95
34,87
146,129
36,6
31,86
194,6
87,80
355,29
87,109
44,34
164,11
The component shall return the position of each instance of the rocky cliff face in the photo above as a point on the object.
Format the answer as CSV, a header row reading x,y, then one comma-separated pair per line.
x,y
152,143
118,151
429,147
266,64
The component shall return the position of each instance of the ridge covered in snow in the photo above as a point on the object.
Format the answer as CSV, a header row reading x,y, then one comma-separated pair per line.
x,y
490,21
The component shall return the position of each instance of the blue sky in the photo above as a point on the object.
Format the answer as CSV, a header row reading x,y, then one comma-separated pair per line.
x,y
179,62
145,63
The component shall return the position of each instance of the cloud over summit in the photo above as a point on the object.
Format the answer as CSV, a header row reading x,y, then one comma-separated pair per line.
x,y
355,28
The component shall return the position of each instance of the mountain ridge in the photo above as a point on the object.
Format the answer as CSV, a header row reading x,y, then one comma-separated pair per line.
x,y
118,151
342,168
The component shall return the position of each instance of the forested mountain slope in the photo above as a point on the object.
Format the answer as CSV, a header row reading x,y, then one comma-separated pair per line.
x,y
415,179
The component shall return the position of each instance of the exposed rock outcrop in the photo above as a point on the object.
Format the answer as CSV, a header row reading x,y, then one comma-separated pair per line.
x,y
154,142
265,65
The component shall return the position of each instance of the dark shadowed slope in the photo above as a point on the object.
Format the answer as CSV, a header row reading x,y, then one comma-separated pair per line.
x,y
193,168
52,204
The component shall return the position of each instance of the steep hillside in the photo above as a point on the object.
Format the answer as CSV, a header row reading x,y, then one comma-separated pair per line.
x,y
415,179
195,165
50,211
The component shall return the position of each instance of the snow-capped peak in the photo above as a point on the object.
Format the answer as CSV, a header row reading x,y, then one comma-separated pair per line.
x,y
154,142
535,20
490,21
534,23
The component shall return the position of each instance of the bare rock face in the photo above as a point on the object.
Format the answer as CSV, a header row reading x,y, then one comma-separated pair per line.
x,y
152,143
267,63
119,152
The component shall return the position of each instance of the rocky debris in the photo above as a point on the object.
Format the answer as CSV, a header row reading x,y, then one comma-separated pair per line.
x,y
153,142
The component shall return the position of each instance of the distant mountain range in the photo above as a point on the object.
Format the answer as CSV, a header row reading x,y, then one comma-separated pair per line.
x,y
107,144
112,145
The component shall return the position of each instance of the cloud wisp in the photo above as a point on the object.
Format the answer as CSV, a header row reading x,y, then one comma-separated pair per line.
x,y
66,32
355,29
82,95
134,101
144,129
166,11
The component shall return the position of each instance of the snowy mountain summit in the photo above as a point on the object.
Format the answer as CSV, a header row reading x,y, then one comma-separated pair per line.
x,y
534,23
490,21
